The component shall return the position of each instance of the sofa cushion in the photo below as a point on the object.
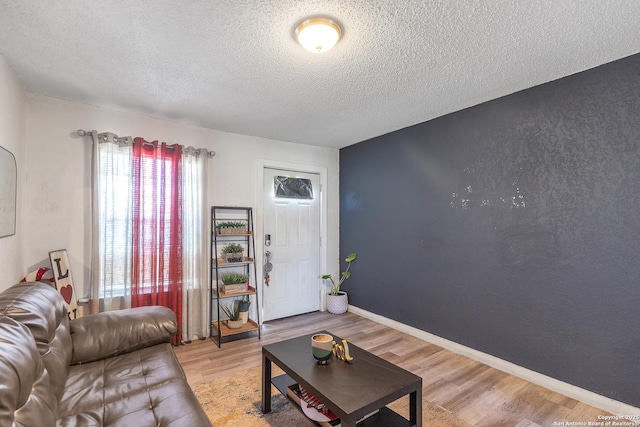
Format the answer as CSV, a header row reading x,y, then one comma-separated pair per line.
x,y
143,388
117,332
42,309
25,395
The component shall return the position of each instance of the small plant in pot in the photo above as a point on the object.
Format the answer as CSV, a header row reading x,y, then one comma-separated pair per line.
x,y
244,305
231,227
220,227
239,227
337,300
234,282
223,228
234,278
233,313
232,252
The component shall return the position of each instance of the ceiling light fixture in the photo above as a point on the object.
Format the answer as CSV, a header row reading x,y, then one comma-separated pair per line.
x,y
318,35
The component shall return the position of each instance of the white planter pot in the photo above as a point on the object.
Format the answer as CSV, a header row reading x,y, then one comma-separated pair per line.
x,y
337,304
234,324
244,316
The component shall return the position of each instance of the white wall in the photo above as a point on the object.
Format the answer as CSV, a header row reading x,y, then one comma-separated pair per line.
x,y
57,191
12,137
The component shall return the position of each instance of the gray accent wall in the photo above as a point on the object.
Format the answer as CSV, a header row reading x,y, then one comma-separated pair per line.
x,y
512,227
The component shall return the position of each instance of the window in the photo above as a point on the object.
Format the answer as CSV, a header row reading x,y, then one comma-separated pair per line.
x,y
293,188
114,220
150,244
136,213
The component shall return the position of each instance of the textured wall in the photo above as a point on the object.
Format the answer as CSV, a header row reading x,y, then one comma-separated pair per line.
x,y
512,227
12,136
57,200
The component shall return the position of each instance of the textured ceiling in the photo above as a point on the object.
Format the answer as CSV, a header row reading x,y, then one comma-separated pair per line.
x,y
234,65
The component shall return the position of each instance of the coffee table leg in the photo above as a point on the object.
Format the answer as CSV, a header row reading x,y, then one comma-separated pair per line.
x,y
415,408
266,384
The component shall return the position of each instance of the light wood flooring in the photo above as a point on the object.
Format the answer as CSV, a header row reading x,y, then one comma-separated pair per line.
x,y
476,393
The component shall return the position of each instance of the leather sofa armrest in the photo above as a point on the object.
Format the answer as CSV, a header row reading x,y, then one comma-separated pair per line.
x,y
102,335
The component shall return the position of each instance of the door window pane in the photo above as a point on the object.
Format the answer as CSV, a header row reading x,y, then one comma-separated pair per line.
x,y
293,188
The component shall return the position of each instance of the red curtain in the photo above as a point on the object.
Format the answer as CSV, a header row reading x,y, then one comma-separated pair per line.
x,y
157,227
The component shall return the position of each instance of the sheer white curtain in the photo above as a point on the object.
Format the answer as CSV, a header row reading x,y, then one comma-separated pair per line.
x,y
111,239
112,232
195,270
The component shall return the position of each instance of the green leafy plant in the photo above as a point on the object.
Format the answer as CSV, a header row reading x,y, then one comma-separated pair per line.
x,y
234,278
231,224
335,287
231,311
233,248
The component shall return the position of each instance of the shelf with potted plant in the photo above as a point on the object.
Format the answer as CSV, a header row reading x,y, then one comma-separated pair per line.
x,y
234,324
233,272
224,330
245,260
233,254
250,291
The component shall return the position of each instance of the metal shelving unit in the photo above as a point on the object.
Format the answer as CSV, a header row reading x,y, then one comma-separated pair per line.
x,y
219,215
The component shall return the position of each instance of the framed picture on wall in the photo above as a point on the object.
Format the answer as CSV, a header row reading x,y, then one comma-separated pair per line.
x,y
64,283
8,194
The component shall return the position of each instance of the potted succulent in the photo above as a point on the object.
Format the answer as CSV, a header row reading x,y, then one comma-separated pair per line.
x,y
233,313
231,227
222,228
234,282
232,252
234,278
239,227
337,300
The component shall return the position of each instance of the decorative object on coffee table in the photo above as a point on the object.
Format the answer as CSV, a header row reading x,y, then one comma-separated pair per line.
x,y
341,351
337,300
322,347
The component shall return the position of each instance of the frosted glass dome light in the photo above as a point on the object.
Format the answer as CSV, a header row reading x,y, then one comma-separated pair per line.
x,y
318,35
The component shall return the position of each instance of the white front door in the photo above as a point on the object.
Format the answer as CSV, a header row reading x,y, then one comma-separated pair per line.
x,y
292,226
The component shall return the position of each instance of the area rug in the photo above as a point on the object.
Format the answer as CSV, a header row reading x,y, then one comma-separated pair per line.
x,y
234,401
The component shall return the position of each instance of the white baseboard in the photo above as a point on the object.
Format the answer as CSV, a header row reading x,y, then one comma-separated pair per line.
x,y
553,384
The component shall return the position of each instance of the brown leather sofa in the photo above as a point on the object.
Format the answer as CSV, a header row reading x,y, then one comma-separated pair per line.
x,y
107,369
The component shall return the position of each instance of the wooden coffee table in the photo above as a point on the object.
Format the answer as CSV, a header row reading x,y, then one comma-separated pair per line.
x,y
351,391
